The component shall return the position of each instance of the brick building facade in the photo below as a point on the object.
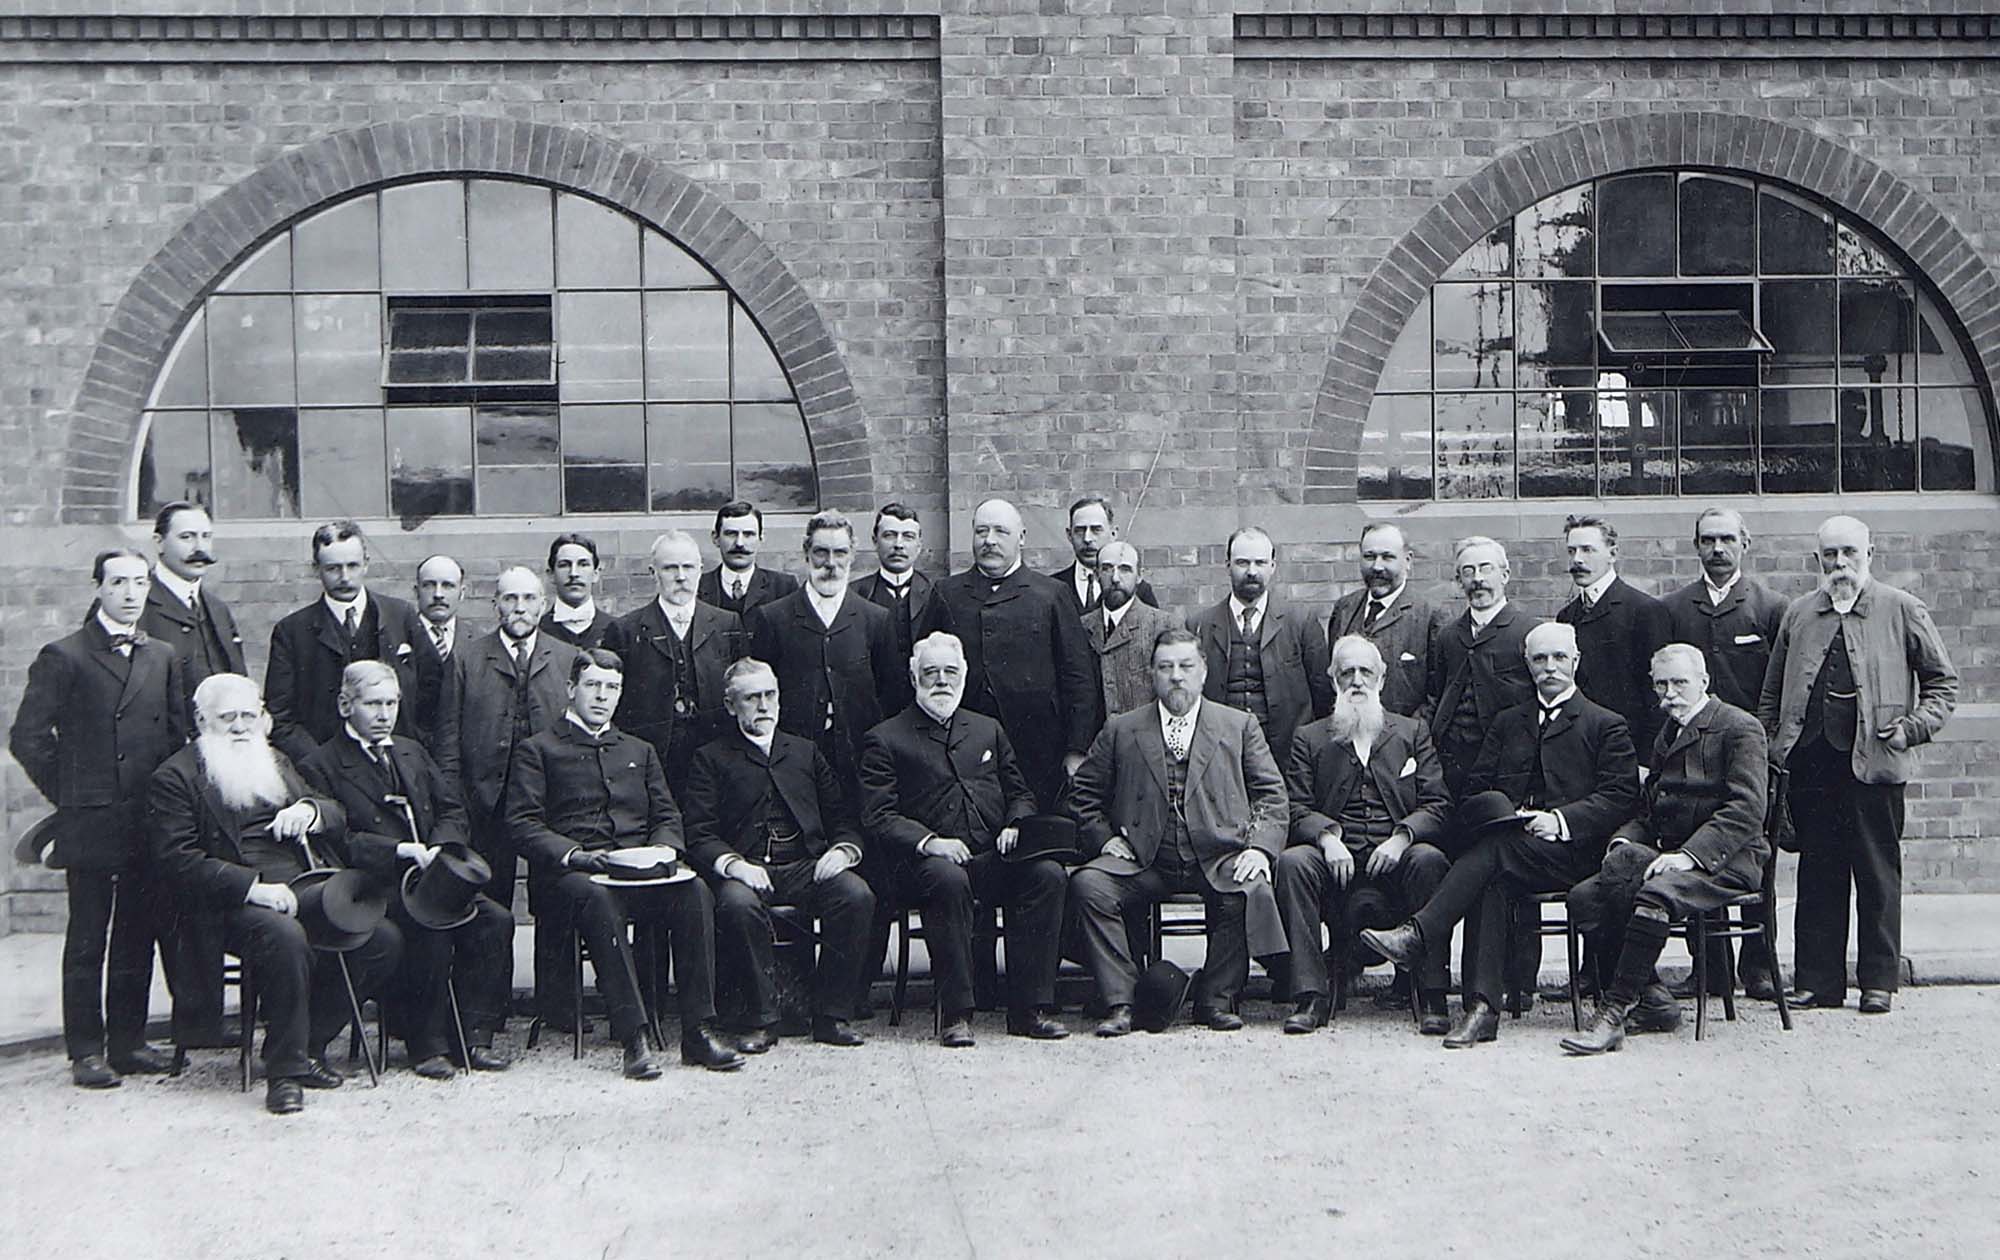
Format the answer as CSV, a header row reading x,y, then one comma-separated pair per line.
x,y
1158,250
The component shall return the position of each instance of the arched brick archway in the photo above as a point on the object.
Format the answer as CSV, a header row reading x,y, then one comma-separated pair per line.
x,y
104,423
1541,167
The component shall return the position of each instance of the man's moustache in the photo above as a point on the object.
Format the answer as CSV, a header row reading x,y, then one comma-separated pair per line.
x,y
200,556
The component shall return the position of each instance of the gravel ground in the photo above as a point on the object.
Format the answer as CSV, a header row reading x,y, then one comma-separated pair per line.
x,y
1848,1137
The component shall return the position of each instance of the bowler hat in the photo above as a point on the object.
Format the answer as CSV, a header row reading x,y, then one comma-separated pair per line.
x,y
1157,1000
339,909
440,896
37,845
1485,809
1049,836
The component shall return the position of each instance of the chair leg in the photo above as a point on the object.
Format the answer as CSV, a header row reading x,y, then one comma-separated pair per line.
x,y
246,1002
1571,945
1156,934
1730,925
576,996
901,992
1337,973
354,1009
1698,943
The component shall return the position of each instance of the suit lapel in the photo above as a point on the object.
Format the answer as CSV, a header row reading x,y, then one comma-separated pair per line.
x,y
1153,744
107,656
702,623
1267,630
791,772
332,635
1206,739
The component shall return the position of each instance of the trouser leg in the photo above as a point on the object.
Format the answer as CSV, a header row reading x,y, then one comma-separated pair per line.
x,y
1417,879
275,946
1226,969
1305,901
1822,817
845,909
743,949
943,889
1457,894
601,920
1877,864
1034,894
421,1009
128,975
91,897
1098,901
688,910
483,980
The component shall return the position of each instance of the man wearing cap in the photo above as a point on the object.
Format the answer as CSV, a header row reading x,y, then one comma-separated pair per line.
x,y
232,825
103,707
183,611
1477,669
578,792
1402,624
770,822
574,615
1264,656
1567,767
1179,796
942,791
401,810
1121,629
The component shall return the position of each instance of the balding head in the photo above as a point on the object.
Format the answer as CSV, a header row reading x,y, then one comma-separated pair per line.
x,y
997,536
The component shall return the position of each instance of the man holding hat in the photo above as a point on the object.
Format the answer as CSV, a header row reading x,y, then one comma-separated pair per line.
x,y
406,827
940,787
233,826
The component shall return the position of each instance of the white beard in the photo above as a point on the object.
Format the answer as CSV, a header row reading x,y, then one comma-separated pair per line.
x,y
246,775
1841,586
1357,720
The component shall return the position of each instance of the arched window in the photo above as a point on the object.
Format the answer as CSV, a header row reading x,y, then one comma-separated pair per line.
x,y
1677,332
461,347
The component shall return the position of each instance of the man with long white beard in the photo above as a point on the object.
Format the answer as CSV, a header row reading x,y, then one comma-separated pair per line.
x,y
232,826
1858,678
1368,804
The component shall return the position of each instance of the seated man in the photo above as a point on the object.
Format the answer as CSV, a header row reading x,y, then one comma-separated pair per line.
x,y
769,822
387,784
1697,844
1368,804
1178,796
231,826
940,788
575,793
1567,765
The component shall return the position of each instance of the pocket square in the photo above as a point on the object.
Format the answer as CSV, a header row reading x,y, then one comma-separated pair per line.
x,y
1408,656
986,756
402,649
1409,768
1749,638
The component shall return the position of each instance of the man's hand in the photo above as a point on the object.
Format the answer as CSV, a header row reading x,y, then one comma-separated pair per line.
x,y
1255,864
1120,847
833,862
1070,762
1339,862
1668,862
422,854
750,875
588,862
1895,735
295,820
1541,824
949,848
1388,854
1007,839
274,897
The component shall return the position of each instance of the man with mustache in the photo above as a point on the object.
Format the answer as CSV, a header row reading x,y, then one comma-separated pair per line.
x,y
574,616
1567,765
1696,844
1027,664
1479,669
182,613
1120,631
738,585
1618,628
1091,527
1858,679
1264,657
440,585
943,792
900,587
1400,622
103,707
232,825
1368,812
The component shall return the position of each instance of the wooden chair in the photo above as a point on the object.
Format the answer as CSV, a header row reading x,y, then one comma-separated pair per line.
x,y
1545,927
1703,926
236,971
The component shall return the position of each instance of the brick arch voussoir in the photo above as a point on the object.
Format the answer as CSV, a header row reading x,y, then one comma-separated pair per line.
x,y
104,422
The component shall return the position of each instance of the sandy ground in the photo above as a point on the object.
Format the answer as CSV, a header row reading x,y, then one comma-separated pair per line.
x,y
1848,1137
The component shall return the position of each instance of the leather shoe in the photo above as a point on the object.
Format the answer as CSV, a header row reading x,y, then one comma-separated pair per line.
x,y
835,1032
1118,1022
1807,999
487,1059
1759,988
700,1047
1476,1023
1309,1015
1038,1026
1875,1001
1397,996
283,1097
639,1065
1657,1012
1402,944
319,1076
1604,1033
144,1061
1220,1021
1432,1018
757,1041
957,1034
435,1068
92,1072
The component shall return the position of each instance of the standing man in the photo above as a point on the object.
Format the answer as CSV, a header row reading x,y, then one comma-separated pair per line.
x,y
944,793
1618,628
1858,678
1027,662
192,621
574,616
1480,668
312,646
1121,630
103,707
1400,623
1263,656
898,586
1091,526
439,587
674,649
1181,796
737,585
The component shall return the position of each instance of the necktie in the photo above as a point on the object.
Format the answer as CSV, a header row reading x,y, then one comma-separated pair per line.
x,y
1583,597
352,621
1090,591
1177,738
1249,618
438,637
122,643
521,658
1374,611
1549,712
736,585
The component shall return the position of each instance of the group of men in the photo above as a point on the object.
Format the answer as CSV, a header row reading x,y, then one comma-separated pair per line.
x,y
1056,746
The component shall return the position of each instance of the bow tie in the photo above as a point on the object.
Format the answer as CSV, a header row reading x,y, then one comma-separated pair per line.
x,y
132,639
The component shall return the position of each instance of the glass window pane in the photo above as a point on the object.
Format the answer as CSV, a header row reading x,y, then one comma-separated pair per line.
x,y
1490,255
1718,227
1718,442
430,461
511,238
668,266
1633,332
250,350
596,247
423,237
1639,453
256,452
1793,239
1878,439
1475,446
429,346
1877,325
184,380
269,270
508,433
774,467
516,490
1957,443
1558,443
1860,256
687,345
337,249
513,345
687,449
174,463
1558,327
1555,236
1473,330
1395,460
754,366
601,355
1796,431
340,348
1635,225
1409,362
342,463
1798,319
604,458
1940,354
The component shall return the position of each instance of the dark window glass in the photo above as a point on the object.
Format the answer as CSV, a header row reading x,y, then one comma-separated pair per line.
x,y
513,345
1558,443
1636,332
256,452
175,462
430,461
1555,236
687,448
1474,334
1798,317
1796,428
342,458
1558,328
1793,239
1941,354
1859,256
429,346
1491,255
1395,458
1635,226
518,451
1636,437
604,458
1877,333
1718,227
1474,438
1878,439
1716,330
1718,441
1409,362
500,344
1957,452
